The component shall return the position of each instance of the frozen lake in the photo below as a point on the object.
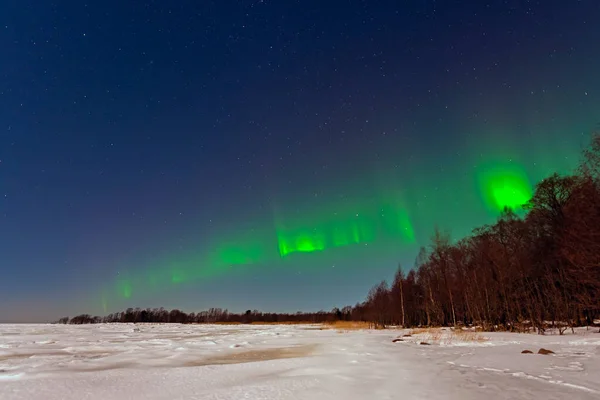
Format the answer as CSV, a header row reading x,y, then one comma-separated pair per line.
x,y
151,361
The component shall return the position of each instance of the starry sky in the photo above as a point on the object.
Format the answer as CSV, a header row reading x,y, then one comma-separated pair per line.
x,y
277,155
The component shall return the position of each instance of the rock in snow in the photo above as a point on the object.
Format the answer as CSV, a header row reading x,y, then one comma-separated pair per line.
x,y
545,351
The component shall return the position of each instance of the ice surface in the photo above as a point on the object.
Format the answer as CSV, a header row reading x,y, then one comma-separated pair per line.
x,y
153,361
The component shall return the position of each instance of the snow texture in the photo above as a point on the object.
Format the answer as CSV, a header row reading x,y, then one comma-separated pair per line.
x,y
152,361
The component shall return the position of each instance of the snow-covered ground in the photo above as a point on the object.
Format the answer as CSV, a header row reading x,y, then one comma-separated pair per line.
x,y
290,362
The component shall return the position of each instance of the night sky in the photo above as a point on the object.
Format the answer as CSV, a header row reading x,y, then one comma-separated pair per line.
x,y
277,155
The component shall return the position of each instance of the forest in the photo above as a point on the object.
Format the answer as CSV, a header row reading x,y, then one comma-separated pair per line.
x,y
522,272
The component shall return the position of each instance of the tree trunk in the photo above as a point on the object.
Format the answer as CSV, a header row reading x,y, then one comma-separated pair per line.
x,y
402,302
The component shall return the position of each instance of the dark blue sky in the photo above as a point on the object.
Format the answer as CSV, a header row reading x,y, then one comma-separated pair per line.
x,y
137,133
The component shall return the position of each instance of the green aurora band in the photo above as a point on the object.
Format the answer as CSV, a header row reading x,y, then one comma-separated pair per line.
x,y
343,224
343,229
360,223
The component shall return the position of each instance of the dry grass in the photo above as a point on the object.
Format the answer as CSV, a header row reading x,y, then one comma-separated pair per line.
x,y
469,336
430,335
284,323
342,325
346,326
418,331
447,336
265,323
427,334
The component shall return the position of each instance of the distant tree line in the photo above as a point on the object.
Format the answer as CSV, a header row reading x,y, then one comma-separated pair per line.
x,y
213,315
533,271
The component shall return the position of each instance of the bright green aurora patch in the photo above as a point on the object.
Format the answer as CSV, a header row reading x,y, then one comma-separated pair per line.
x,y
504,185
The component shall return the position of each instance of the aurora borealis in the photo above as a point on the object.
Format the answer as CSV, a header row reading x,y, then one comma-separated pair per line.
x,y
270,155
351,225
504,186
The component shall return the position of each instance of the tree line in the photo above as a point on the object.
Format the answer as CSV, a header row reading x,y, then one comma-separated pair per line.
x,y
539,270
213,315
533,271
